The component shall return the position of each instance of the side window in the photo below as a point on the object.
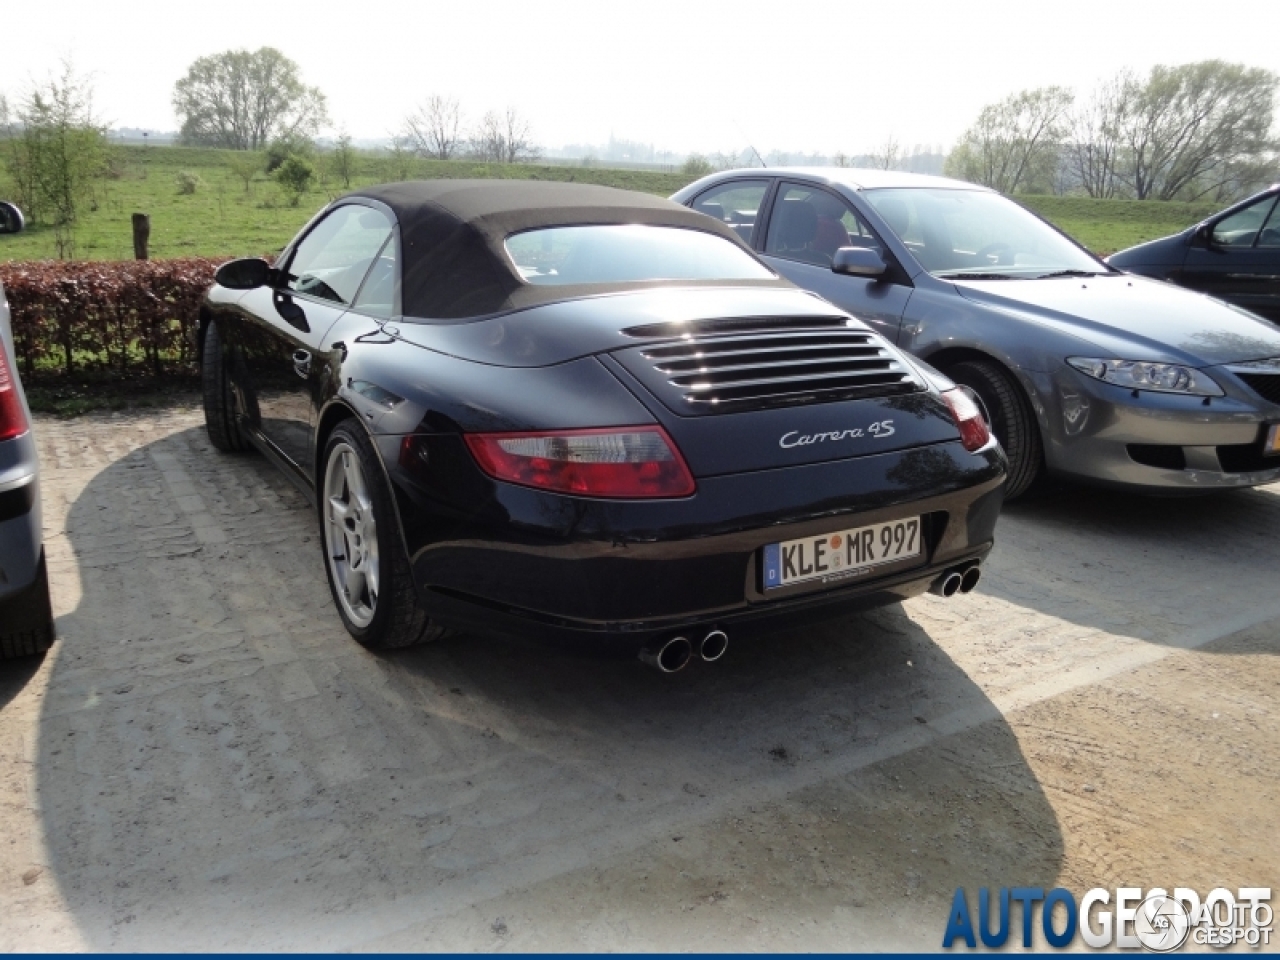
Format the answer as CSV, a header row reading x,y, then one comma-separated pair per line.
x,y
810,224
378,293
333,258
1241,228
736,203
1269,236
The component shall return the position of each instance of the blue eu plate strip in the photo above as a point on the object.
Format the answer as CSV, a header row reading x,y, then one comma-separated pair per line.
x,y
773,566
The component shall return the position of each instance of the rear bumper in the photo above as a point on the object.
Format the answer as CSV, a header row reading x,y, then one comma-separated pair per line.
x,y
620,573
20,539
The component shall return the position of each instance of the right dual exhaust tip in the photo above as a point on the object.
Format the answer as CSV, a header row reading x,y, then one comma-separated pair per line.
x,y
956,581
674,653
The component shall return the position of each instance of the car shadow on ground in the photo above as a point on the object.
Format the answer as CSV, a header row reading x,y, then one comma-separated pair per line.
x,y
1160,569
218,766
16,674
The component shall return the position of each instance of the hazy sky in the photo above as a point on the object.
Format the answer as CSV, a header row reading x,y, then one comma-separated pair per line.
x,y
799,75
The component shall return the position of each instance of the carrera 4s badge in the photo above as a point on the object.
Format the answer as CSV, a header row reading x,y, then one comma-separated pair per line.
x,y
880,430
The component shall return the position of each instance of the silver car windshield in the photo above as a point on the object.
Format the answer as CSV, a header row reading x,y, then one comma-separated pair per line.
x,y
628,253
978,235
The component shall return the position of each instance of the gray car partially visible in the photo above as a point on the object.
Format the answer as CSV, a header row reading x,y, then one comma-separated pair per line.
x,y
1083,370
26,617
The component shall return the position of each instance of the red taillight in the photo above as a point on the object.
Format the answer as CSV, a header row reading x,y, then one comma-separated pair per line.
x,y
621,462
13,419
973,428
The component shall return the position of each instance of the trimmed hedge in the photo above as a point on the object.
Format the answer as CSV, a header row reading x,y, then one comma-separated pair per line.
x,y
127,316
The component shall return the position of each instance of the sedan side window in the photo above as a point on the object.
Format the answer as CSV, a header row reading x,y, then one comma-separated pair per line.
x,y
736,203
1242,227
1269,236
332,260
810,224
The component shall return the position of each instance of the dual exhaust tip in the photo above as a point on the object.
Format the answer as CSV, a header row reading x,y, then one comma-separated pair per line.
x,y
960,580
674,653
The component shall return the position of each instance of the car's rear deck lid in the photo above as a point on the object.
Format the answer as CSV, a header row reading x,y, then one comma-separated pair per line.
x,y
716,367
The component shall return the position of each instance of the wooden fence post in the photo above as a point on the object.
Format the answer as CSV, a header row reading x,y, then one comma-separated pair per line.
x,y
141,234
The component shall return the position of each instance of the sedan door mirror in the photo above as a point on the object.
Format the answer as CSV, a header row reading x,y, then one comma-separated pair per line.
x,y
248,273
11,219
858,262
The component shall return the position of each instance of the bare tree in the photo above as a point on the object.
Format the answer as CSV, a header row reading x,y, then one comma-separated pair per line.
x,y
1014,142
401,158
243,100
344,160
887,155
1190,125
434,130
1095,150
505,138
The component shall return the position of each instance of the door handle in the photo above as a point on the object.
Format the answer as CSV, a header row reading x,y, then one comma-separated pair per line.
x,y
302,363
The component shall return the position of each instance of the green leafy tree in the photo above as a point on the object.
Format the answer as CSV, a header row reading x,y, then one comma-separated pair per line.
x,y
245,166
295,176
1189,128
282,148
696,165
188,182
1014,144
243,100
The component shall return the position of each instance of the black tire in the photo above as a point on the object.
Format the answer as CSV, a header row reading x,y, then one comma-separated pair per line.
x,y
397,620
28,618
219,406
1010,418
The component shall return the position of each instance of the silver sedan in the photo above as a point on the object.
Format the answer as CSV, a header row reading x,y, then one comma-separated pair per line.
x,y
1084,371
26,620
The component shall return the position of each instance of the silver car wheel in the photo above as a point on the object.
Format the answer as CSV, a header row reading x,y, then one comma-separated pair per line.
x,y
351,535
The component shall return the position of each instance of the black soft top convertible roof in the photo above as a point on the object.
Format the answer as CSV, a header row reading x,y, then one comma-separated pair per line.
x,y
454,264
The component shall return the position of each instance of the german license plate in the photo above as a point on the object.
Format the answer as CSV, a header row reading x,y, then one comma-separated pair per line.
x,y
1272,445
838,556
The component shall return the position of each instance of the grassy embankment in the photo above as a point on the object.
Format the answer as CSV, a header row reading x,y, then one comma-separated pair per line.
x,y
223,219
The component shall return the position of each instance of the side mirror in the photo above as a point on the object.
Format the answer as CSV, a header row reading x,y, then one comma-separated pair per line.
x,y
858,262
246,274
1202,236
11,220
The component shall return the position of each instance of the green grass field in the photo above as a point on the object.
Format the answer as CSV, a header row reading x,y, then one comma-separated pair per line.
x,y
1105,226
223,219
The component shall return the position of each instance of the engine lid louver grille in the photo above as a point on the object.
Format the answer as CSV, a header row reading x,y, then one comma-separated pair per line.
x,y
788,364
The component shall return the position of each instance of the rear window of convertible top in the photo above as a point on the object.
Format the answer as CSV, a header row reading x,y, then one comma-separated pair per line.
x,y
627,253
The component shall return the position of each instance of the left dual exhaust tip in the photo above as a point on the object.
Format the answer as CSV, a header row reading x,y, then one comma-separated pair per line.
x,y
959,580
673,654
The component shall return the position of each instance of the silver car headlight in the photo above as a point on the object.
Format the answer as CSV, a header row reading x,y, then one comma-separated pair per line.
x,y
1156,377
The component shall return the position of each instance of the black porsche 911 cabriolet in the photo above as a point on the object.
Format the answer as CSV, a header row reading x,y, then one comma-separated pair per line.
x,y
583,413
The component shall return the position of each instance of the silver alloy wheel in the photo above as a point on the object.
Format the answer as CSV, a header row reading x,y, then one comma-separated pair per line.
x,y
351,535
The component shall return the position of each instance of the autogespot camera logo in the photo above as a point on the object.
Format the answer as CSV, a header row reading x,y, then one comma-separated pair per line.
x,y
1162,923
1153,920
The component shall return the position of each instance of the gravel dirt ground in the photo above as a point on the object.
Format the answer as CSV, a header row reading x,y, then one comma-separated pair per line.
x,y
205,761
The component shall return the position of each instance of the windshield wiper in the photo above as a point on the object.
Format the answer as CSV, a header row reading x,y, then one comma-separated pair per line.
x,y
1072,273
963,275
